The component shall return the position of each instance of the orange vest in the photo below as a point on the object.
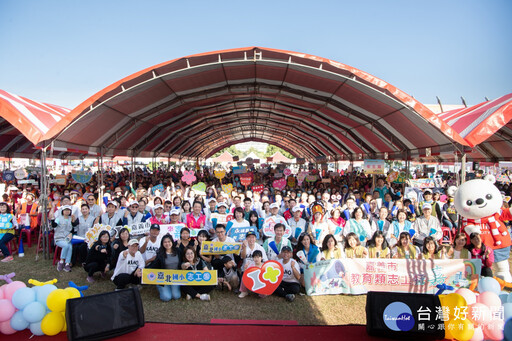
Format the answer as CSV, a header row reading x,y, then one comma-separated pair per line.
x,y
33,214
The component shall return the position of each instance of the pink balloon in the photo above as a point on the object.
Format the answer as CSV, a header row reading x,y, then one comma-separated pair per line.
x,y
11,288
467,294
2,291
494,330
489,298
5,328
6,310
478,335
479,313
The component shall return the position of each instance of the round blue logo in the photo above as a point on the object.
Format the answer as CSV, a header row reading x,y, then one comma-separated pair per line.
x,y
206,276
398,317
151,276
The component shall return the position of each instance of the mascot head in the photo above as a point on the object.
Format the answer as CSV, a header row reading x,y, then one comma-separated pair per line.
x,y
477,198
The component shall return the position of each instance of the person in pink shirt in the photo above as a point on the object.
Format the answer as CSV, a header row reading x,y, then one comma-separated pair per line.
x,y
159,217
196,219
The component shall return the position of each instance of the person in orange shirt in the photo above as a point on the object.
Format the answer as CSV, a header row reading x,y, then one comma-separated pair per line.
x,y
30,207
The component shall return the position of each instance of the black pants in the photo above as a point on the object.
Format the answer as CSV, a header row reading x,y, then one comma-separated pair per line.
x,y
286,288
194,290
93,267
79,253
122,280
486,271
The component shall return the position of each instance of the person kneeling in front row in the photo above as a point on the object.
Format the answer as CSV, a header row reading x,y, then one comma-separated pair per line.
x,y
290,286
129,266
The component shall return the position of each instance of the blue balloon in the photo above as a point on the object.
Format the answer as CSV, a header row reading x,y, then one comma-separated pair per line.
x,y
507,330
507,310
18,322
509,299
34,312
43,292
504,297
412,232
35,328
22,297
489,284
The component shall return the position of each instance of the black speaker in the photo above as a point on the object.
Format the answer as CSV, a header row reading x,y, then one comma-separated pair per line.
x,y
103,316
404,316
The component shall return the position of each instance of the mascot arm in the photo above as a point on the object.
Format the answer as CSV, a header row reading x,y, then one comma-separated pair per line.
x,y
472,229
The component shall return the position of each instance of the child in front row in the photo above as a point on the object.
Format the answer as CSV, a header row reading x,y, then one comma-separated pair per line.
x,y
257,257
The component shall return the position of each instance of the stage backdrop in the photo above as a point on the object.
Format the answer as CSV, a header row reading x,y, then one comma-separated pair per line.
x,y
358,276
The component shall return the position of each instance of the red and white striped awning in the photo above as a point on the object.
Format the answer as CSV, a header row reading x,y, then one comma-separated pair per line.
x,y
487,127
310,106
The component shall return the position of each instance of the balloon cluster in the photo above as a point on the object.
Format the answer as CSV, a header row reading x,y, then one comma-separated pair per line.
x,y
40,308
477,316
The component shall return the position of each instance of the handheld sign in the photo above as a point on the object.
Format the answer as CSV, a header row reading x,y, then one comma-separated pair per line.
x,y
188,177
175,230
219,174
264,280
268,226
220,248
239,233
179,277
91,236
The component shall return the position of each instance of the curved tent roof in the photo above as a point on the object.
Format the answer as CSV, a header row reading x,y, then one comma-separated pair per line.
x,y
310,106
487,127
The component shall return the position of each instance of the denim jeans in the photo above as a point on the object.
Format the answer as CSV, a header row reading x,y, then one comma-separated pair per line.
x,y
67,250
169,292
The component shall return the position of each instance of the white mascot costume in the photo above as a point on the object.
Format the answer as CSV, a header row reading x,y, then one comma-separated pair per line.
x,y
478,201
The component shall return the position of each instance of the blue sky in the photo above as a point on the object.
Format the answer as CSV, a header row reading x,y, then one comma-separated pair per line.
x,y
62,52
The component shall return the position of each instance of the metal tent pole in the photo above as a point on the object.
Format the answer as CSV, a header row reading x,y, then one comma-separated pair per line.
x,y
43,199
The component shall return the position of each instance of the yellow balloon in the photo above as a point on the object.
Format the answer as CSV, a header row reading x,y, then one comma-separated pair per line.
x,y
73,292
447,333
56,300
451,301
52,323
65,328
462,330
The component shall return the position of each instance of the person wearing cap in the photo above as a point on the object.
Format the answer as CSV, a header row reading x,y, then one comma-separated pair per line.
x,y
158,218
275,218
274,245
219,217
129,266
290,285
28,208
427,198
426,226
111,217
66,201
132,214
174,216
249,245
8,226
150,243
297,224
211,209
64,227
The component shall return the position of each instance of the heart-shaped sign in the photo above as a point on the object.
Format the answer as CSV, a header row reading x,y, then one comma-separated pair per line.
x,y
219,174
188,177
264,280
279,184
257,189
200,187
287,172
246,180
227,188
301,176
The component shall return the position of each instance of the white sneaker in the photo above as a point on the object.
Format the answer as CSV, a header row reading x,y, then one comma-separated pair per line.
x,y
243,294
204,297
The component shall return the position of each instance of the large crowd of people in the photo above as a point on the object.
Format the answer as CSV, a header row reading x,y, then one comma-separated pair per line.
x,y
352,216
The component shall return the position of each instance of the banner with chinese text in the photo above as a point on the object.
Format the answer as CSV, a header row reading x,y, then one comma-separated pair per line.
x,y
179,277
358,276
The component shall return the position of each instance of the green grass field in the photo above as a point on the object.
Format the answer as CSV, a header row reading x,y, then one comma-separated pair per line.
x,y
306,310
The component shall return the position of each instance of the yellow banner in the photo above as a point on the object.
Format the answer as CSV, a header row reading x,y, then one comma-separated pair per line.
x,y
179,277
220,248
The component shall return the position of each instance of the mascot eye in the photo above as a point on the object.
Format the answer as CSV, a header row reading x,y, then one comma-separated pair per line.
x,y
469,203
488,197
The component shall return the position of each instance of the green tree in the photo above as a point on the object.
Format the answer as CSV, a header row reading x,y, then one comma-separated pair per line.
x,y
231,150
271,150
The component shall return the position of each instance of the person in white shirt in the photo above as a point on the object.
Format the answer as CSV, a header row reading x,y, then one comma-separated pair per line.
x,y
297,224
426,226
150,244
129,266
249,245
289,286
